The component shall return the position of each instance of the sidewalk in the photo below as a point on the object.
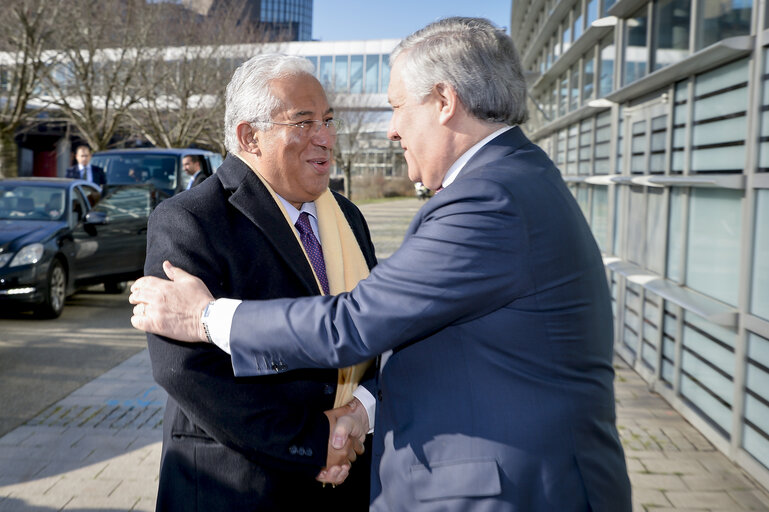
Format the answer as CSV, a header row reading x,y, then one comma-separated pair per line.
x,y
99,448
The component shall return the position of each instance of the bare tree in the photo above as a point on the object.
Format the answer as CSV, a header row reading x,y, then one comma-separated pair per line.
x,y
184,81
361,118
100,48
25,27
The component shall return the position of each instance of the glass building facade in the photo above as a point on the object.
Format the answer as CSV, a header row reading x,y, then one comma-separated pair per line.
x,y
657,114
293,17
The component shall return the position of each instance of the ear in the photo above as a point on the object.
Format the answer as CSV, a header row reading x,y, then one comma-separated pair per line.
x,y
448,102
247,138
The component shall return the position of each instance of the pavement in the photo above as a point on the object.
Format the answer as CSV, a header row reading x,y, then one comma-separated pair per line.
x,y
98,449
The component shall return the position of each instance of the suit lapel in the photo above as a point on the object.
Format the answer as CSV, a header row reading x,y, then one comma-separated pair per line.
x,y
250,197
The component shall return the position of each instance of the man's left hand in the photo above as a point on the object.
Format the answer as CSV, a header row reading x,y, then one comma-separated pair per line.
x,y
348,427
170,308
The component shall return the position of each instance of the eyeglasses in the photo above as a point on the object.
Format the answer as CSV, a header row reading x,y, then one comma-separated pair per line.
x,y
312,126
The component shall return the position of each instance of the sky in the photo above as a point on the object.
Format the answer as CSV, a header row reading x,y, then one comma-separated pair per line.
x,y
344,20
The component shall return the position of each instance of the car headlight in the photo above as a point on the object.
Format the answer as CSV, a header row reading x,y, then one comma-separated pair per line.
x,y
4,258
28,255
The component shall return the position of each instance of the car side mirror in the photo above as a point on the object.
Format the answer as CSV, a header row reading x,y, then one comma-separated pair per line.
x,y
93,217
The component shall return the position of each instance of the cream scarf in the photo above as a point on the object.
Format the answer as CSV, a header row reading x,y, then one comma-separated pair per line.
x,y
345,266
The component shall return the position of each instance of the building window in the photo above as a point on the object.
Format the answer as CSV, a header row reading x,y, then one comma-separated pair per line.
x,y
719,19
385,73
636,50
671,31
356,74
763,155
606,70
680,117
602,147
574,87
585,146
563,95
713,243
576,15
658,144
755,433
759,301
588,77
326,70
372,74
654,255
607,4
340,74
675,236
719,129
599,216
592,12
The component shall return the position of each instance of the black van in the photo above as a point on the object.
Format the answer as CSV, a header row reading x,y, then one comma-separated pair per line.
x,y
158,166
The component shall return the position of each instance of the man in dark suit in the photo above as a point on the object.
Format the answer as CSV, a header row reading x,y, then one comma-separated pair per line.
x,y
193,166
84,170
257,444
498,393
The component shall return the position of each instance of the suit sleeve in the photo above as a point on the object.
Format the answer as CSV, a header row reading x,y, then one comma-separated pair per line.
x,y
455,267
243,414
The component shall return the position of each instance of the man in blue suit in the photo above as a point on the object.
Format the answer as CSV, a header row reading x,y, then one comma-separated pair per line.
x,y
83,168
497,389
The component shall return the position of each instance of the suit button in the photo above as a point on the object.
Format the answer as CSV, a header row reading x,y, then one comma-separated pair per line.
x,y
328,389
379,395
292,450
308,452
301,451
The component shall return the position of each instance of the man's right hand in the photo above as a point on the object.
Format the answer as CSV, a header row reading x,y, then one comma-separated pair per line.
x,y
348,428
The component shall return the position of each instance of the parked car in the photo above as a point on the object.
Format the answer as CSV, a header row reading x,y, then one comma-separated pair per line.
x,y
59,234
160,167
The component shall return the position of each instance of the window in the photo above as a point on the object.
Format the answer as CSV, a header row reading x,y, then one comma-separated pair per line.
x,y
713,243
680,116
671,31
636,46
356,74
326,74
675,233
759,300
719,19
576,15
755,434
574,88
599,217
340,73
606,71
588,77
592,12
372,73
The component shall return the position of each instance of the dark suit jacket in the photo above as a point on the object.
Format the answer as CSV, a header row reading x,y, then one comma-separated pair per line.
x,y
199,179
242,444
499,390
99,177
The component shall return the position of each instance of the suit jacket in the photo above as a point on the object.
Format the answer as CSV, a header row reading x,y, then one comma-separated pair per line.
x,y
99,177
199,179
498,393
241,444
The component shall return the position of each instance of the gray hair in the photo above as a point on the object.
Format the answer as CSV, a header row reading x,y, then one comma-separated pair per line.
x,y
478,60
249,97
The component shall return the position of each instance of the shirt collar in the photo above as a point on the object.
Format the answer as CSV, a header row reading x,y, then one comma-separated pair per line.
x,y
457,166
293,213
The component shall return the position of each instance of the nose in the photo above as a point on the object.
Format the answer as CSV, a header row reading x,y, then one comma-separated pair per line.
x,y
392,132
324,136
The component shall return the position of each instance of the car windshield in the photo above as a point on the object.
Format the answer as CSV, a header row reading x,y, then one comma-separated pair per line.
x,y
128,169
31,202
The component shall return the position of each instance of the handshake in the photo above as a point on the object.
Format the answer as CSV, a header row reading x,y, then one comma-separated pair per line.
x,y
348,427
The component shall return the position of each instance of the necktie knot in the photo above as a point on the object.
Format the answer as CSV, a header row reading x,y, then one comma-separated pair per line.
x,y
313,249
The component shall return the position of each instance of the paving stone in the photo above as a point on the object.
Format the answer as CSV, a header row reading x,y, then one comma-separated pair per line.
x,y
650,497
673,466
701,499
753,499
658,482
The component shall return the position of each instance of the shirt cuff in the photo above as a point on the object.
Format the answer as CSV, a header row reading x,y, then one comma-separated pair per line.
x,y
369,403
220,322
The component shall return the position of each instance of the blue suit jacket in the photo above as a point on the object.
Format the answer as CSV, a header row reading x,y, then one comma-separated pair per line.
x,y
499,390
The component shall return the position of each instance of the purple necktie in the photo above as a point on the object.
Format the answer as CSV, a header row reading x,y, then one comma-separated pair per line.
x,y
314,251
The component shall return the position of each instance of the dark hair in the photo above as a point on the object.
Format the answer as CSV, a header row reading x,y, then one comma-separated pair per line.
x,y
195,158
83,145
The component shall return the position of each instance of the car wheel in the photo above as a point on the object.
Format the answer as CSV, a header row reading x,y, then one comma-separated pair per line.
x,y
115,287
56,292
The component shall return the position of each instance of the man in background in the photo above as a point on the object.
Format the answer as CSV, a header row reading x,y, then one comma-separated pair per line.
x,y
83,169
193,166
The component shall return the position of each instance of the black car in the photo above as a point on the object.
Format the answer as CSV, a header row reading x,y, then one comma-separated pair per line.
x,y
58,234
161,167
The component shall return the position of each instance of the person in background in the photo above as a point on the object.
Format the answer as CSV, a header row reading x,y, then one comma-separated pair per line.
x,y
193,166
493,317
83,169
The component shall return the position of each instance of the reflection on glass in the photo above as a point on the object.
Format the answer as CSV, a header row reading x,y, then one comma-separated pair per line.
x,y
372,71
719,19
635,48
356,74
599,218
340,73
607,4
606,77
671,31
577,17
675,245
592,12
713,243
326,70
759,301
574,88
564,95
587,78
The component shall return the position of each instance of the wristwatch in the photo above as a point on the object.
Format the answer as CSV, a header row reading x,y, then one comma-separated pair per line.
x,y
204,320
